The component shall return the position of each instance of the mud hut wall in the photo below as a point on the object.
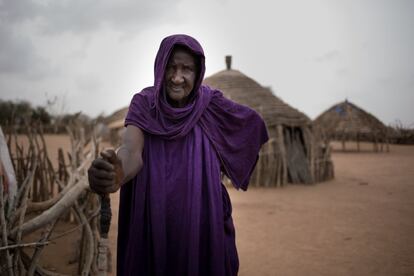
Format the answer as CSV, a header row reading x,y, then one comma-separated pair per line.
x,y
272,167
323,168
268,167
281,144
310,151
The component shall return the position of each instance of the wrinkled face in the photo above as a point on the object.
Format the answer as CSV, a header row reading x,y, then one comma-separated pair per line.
x,y
180,76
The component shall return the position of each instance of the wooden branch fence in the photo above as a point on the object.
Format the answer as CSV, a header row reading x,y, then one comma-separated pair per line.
x,y
41,196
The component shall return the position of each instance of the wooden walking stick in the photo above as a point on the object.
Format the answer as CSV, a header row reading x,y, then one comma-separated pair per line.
x,y
104,223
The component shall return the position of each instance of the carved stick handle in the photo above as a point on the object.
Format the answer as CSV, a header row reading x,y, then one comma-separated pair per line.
x,y
106,215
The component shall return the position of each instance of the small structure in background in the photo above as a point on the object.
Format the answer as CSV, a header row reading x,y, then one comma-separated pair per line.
x,y
292,154
347,122
401,134
115,124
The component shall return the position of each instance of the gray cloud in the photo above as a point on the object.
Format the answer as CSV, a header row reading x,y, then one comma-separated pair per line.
x,y
343,72
12,11
83,16
18,56
331,55
87,83
26,27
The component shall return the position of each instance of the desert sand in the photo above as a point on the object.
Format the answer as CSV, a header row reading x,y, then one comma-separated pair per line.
x,y
360,223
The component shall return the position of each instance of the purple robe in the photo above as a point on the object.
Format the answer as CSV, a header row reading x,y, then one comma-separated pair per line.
x,y
175,215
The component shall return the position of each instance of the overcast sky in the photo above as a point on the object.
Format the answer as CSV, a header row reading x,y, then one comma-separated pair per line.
x,y
94,55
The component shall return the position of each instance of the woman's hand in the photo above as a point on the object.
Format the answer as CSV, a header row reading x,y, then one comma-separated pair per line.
x,y
106,174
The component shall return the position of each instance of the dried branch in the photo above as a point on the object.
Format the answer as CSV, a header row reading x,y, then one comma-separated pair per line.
x,y
94,214
41,206
36,178
9,172
38,250
20,245
39,270
3,225
86,263
57,210
18,232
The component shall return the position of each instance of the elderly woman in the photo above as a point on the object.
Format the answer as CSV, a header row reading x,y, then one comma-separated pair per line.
x,y
174,214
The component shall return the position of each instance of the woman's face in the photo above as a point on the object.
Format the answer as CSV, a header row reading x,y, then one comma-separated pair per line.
x,y
180,77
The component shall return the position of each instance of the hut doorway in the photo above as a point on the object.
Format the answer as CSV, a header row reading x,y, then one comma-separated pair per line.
x,y
296,155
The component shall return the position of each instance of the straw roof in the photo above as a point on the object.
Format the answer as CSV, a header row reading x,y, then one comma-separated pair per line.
x,y
244,90
345,119
117,119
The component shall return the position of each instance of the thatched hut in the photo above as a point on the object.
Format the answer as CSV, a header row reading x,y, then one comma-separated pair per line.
x,y
347,122
115,123
292,155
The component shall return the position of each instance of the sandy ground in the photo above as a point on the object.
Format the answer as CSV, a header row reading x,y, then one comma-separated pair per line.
x,y
361,223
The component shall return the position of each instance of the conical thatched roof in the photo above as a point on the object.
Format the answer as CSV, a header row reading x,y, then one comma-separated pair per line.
x,y
116,119
347,120
244,90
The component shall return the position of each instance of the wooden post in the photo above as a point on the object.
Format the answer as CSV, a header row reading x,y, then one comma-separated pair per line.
x,y
310,148
259,170
358,148
62,172
283,154
277,175
375,145
3,224
387,145
272,163
9,171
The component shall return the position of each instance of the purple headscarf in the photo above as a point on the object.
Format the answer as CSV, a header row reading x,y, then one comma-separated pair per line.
x,y
228,125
